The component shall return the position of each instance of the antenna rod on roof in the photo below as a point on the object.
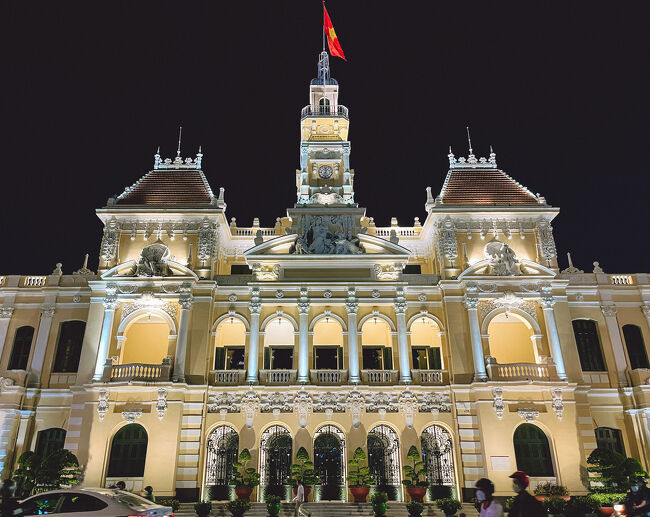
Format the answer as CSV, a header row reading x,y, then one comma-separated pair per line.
x,y
180,132
469,139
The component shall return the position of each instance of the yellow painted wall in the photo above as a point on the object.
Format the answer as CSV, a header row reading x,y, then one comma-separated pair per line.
x,y
375,332
328,333
147,341
510,339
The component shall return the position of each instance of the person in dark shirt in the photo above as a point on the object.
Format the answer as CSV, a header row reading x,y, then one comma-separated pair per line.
x,y
9,506
524,505
637,503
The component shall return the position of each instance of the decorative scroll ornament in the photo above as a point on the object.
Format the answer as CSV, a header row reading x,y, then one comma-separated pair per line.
x,y
232,298
448,239
355,403
302,404
185,299
381,402
326,235
153,260
108,249
609,310
389,272
498,404
408,404
571,270
435,403
557,404
276,401
250,402
400,301
5,382
266,272
131,288
528,414
645,308
375,293
161,405
546,241
48,311
255,305
503,260
224,401
546,293
148,301
207,242
327,293
508,301
131,415
471,299
102,404
328,401
6,312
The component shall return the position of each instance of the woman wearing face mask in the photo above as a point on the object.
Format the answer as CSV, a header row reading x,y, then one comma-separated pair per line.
x,y
524,505
637,503
484,493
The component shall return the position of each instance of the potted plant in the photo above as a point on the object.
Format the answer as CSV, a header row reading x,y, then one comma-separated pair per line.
x,y
174,504
359,477
549,489
302,470
449,505
582,506
415,484
414,508
203,508
555,506
238,507
273,505
246,478
379,505
607,501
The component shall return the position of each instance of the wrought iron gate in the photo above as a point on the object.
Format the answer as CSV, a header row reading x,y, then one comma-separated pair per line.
x,y
329,462
275,458
437,453
223,448
383,456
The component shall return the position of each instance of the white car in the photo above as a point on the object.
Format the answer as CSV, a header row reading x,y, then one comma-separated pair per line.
x,y
96,502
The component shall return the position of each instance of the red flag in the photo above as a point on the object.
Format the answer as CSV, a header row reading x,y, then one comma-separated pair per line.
x,y
332,39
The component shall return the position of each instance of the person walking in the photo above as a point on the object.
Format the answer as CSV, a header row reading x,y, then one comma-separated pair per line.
x,y
524,505
148,493
637,502
485,495
300,501
9,506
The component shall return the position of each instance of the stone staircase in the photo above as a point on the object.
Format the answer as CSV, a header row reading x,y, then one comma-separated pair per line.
x,y
327,509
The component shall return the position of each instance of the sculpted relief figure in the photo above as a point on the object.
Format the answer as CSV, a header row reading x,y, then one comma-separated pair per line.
x,y
153,260
326,235
502,259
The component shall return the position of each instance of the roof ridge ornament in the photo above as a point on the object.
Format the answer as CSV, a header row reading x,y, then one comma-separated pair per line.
x,y
178,162
471,162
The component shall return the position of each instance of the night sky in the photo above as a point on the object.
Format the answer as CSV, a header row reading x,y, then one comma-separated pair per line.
x,y
89,90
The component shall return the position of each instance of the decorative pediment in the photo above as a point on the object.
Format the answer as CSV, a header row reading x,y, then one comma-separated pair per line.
x,y
129,269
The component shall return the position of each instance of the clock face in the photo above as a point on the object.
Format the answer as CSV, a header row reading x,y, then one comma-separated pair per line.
x,y
325,172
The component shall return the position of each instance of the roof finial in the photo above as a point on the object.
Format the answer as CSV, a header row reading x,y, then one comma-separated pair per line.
x,y
156,158
180,133
469,140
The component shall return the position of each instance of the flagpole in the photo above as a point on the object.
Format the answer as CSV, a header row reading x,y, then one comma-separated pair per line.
x,y
324,97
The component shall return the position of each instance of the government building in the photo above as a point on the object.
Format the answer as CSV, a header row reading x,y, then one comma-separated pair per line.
x,y
460,334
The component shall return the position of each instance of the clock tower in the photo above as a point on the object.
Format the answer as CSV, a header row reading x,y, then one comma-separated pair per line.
x,y
325,177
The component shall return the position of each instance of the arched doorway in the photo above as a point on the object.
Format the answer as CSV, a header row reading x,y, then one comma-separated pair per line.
x,y
222,452
275,461
230,345
532,451
438,456
279,341
376,349
511,339
383,460
146,340
128,453
426,344
328,344
329,463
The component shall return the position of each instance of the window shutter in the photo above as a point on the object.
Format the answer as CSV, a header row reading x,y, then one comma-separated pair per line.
x,y
219,358
340,357
435,361
388,358
267,358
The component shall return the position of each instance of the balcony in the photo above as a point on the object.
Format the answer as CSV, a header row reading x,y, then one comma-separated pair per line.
x,y
272,377
520,371
379,377
639,377
137,372
328,377
430,377
227,377
324,111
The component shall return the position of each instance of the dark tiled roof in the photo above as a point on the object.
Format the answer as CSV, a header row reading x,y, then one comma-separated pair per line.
x,y
165,187
484,187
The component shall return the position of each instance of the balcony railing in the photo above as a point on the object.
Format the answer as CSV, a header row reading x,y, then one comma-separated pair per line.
x,y
324,111
328,377
227,377
278,376
520,371
385,377
430,377
137,371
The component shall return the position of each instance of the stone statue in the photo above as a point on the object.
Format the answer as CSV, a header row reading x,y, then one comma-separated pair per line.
x,y
326,235
153,260
502,259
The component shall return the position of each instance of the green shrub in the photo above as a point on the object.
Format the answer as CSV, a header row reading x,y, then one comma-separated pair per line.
x,y
379,497
272,505
203,508
414,508
550,488
582,505
614,471
609,499
555,505
238,507
439,492
247,477
359,476
303,470
449,505
507,504
35,474
413,473
175,504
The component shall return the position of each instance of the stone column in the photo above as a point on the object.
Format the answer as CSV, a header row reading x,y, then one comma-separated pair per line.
x,y
402,343
255,308
352,306
110,304
5,318
645,308
303,342
551,332
609,311
44,326
186,300
471,303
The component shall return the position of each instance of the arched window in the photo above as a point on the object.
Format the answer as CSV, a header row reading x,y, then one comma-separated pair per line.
x,y
377,353
22,346
275,460
438,455
278,344
329,462
383,459
511,339
426,346
146,340
532,452
328,341
223,449
49,440
68,349
635,347
230,345
609,438
588,342
128,452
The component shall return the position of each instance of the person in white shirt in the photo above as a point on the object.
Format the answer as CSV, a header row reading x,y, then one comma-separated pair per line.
x,y
300,500
484,494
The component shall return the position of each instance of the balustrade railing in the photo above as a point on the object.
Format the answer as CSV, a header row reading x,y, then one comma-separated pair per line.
x,y
227,377
34,281
137,371
400,232
430,377
278,376
331,377
621,279
324,111
520,371
379,376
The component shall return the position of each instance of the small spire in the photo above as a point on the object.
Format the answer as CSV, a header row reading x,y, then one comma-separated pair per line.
x,y
180,133
156,158
199,157
469,140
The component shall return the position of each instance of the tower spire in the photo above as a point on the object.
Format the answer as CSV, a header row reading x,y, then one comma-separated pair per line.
x,y
180,133
469,140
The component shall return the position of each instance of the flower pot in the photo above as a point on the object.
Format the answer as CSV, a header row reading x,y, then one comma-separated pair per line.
x,y
360,493
244,492
544,497
607,510
416,493
274,508
379,508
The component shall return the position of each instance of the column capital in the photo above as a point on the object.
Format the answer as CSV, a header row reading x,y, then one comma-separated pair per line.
x,y
400,307
609,310
352,306
303,307
6,312
255,307
186,301
110,302
47,311
471,301
645,308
